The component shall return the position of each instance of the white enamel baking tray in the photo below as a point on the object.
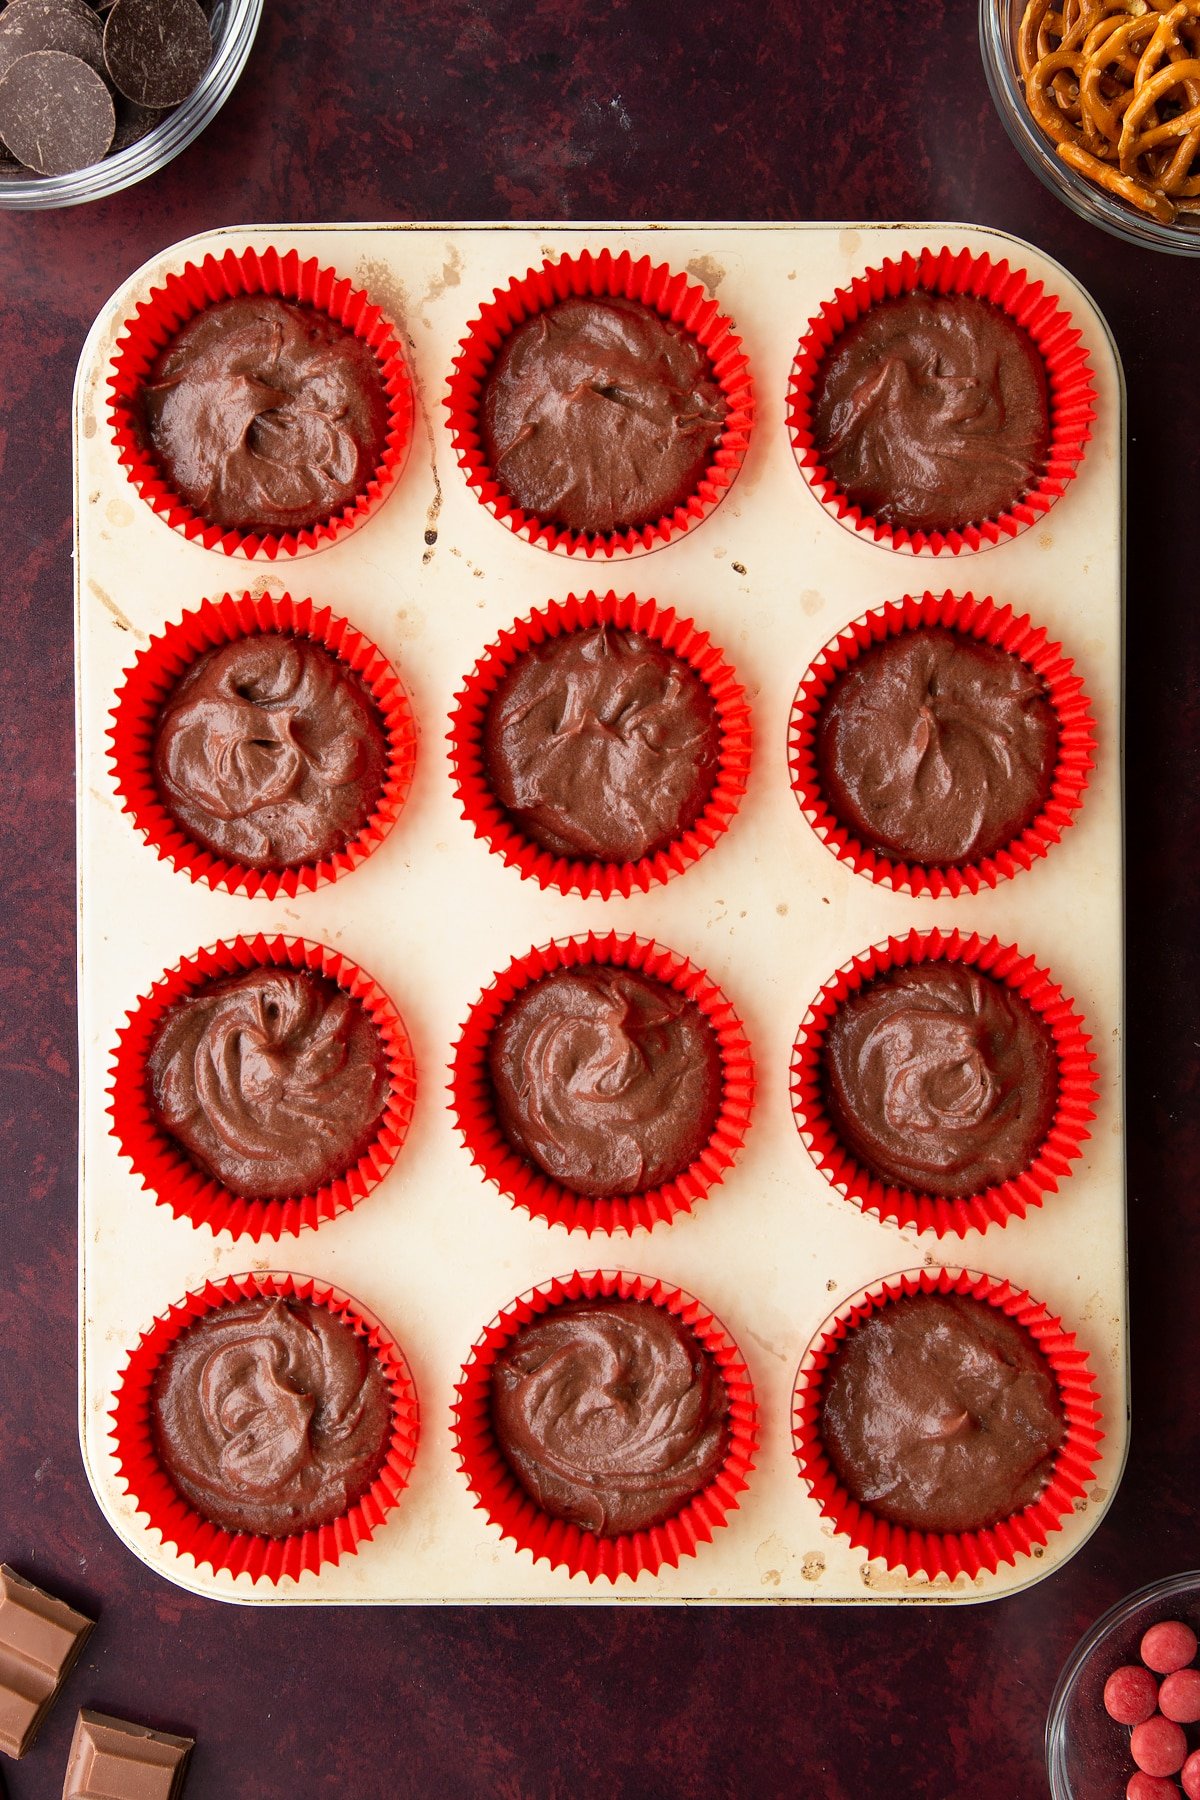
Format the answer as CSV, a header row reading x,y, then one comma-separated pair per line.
x,y
434,1251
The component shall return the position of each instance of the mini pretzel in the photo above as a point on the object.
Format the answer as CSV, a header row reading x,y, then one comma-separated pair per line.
x,y
1105,117
1115,86
1105,176
1043,104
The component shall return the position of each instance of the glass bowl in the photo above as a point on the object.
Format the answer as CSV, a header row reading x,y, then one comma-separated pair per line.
x,y
233,24
998,23
1087,1753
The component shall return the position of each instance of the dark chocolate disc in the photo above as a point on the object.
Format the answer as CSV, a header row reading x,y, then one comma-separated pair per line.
x,y
56,114
133,122
157,50
66,25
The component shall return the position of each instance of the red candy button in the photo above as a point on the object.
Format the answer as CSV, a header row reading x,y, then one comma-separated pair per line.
x,y
1158,1746
1179,1696
1150,1787
1191,1776
1168,1646
1130,1695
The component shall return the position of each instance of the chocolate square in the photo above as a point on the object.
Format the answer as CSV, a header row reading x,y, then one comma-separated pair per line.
x,y
40,1637
112,1759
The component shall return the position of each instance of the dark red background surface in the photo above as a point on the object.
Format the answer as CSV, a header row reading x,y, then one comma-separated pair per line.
x,y
541,109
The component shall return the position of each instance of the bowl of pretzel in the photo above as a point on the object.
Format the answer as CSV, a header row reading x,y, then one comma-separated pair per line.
x,y
1102,99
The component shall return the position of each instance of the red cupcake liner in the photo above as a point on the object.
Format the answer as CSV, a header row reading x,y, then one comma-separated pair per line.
x,y
164,1167
1068,376
1073,1111
990,624
495,826
521,1181
967,1552
188,292
176,1521
602,276
154,675
500,1495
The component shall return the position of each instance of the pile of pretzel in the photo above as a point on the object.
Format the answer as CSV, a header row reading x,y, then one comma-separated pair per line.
x,y
1115,84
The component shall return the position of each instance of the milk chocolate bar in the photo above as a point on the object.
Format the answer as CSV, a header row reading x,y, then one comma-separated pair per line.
x,y
114,1760
40,1637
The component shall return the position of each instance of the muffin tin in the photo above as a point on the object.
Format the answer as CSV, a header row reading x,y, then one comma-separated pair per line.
x,y
769,913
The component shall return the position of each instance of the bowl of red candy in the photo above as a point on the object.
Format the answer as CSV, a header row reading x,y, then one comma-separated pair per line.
x,y
1125,1718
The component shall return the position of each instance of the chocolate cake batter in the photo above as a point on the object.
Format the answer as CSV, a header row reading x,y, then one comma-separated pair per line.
x,y
936,748
270,751
940,1079
941,1414
600,415
271,1416
930,411
273,1081
266,415
606,1079
602,744
610,1413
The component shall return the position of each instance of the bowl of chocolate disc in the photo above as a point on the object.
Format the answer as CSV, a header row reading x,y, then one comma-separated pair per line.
x,y
97,94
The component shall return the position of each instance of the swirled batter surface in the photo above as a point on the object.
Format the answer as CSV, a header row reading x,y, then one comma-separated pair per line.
x,y
273,1081
940,1079
271,1416
606,1079
270,750
265,414
602,744
598,415
930,411
610,1413
935,747
941,1414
